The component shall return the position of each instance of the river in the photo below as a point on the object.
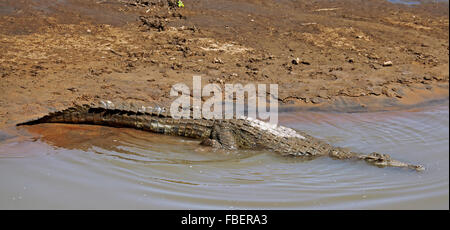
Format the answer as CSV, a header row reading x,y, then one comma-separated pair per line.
x,y
56,166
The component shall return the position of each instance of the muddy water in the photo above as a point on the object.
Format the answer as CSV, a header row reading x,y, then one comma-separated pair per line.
x,y
71,167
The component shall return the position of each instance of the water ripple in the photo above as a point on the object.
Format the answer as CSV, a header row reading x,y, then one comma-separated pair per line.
x,y
97,167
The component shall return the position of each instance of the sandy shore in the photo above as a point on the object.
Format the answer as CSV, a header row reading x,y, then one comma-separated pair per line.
x,y
349,55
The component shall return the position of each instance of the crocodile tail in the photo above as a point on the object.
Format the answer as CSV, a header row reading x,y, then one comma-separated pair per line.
x,y
377,159
70,115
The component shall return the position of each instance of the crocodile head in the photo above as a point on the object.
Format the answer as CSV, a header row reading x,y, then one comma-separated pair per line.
x,y
384,160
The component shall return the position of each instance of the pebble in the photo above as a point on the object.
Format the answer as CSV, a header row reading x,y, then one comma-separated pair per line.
x,y
297,61
388,63
316,100
218,61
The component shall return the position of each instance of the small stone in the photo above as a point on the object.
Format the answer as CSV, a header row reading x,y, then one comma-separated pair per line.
x,y
297,61
388,63
218,61
316,100
307,100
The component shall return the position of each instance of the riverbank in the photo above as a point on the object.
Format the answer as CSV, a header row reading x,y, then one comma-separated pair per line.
x,y
342,56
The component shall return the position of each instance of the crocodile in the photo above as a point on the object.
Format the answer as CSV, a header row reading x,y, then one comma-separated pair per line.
x,y
230,134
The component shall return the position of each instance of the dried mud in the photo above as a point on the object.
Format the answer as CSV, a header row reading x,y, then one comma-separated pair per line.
x,y
350,55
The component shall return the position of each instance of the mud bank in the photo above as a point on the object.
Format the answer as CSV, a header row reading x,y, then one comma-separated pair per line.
x,y
345,56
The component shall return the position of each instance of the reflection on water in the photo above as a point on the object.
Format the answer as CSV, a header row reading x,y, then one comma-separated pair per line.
x,y
68,166
405,2
412,2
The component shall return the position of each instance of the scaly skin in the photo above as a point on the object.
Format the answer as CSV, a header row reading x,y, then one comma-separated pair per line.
x,y
241,133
